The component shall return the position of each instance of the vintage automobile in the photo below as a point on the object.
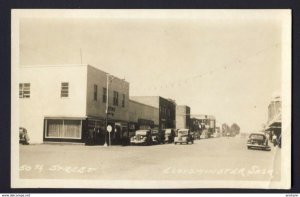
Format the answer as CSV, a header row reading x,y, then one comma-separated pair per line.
x,y
142,137
183,136
23,136
169,135
157,136
258,141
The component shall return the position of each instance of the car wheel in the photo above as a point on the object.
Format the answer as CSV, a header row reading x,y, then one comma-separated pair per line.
x,y
248,147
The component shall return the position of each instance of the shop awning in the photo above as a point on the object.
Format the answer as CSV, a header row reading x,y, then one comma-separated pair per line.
x,y
275,123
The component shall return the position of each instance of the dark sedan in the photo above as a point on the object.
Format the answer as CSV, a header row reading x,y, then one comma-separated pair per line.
x,y
258,141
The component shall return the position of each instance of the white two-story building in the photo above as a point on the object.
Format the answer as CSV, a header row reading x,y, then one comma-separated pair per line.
x,y
64,103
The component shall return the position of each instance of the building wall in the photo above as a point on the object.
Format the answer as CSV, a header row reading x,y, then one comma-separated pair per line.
x,y
167,113
148,100
207,123
45,99
182,116
141,111
167,109
273,109
96,108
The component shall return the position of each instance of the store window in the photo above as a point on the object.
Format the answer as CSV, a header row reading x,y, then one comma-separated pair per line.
x,y
59,128
64,89
24,90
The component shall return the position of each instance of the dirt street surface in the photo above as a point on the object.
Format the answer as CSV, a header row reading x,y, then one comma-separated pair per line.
x,y
225,158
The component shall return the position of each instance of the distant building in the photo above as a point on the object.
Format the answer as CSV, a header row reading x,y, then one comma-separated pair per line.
x,y
274,108
66,103
167,109
274,118
203,125
183,116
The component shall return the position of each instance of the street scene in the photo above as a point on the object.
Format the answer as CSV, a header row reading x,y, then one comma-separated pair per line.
x,y
138,95
224,158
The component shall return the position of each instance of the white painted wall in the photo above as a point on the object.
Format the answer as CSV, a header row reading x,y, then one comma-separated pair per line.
x,y
45,100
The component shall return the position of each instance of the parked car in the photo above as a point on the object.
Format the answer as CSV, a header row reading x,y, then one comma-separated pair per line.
x,y
142,137
157,136
258,141
23,136
184,136
169,135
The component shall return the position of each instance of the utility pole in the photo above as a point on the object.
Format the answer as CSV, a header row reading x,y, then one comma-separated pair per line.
x,y
106,110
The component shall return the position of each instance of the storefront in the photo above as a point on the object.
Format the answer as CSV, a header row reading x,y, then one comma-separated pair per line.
x,y
120,134
96,129
132,127
274,129
145,124
64,129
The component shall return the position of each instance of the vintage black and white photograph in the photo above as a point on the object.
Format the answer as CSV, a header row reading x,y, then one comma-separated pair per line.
x,y
151,98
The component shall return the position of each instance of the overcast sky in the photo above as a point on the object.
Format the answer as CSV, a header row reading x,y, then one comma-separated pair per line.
x,y
227,68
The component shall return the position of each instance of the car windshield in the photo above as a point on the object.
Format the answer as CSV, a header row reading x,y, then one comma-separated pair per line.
x,y
257,137
183,132
141,132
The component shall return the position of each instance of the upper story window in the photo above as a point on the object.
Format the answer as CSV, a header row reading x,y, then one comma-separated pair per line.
x,y
95,92
123,101
24,90
116,98
64,89
104,95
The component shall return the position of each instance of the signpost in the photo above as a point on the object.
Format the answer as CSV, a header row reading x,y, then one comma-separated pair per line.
x,y
109,129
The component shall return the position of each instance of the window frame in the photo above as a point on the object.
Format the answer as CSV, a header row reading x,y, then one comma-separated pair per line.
x,y
24,92
63,121
64,90
95,92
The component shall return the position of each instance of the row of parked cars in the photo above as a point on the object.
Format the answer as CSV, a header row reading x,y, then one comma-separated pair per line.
x,y
152,136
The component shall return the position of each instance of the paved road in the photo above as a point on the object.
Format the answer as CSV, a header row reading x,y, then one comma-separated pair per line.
x,y
207,159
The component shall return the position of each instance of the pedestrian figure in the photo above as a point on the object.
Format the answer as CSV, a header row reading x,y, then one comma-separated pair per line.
x,y
274,139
